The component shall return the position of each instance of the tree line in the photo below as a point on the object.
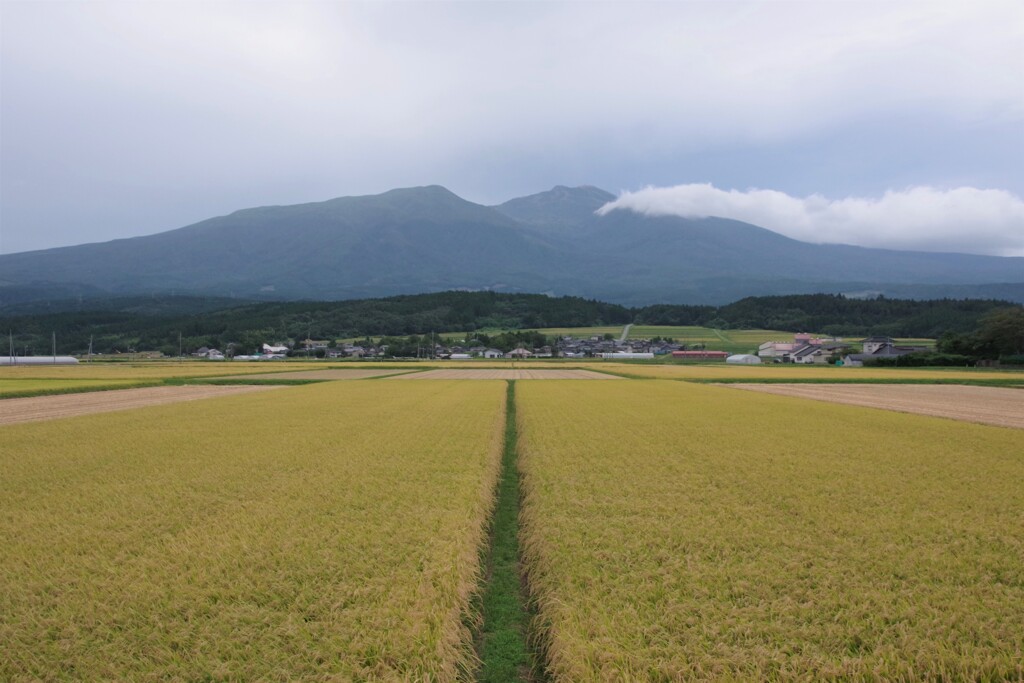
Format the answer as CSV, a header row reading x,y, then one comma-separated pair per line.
x,y
155,323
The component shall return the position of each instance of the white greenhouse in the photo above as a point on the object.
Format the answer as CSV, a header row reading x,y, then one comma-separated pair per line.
x,y
743,359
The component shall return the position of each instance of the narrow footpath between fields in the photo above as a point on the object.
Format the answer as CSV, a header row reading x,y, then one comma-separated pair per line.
x,y
502,643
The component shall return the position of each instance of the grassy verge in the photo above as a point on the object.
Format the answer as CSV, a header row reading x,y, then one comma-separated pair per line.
x,y
501,643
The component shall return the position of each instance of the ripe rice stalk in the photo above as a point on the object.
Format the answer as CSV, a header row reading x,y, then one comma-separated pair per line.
x,y
674,531
323,532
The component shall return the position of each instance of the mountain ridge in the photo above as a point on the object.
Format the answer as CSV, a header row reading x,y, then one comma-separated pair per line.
x,y
424,239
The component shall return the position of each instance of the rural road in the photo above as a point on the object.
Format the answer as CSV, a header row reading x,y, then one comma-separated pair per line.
x,y
625,333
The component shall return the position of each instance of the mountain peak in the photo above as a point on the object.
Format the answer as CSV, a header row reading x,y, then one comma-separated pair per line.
x,y
560,205
426,191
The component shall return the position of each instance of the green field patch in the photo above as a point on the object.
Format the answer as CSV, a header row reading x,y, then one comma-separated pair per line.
x,y
24,388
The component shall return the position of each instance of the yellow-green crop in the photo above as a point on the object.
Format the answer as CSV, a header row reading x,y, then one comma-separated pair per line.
x,y
323,532
788,372
677,532
150,370
33,387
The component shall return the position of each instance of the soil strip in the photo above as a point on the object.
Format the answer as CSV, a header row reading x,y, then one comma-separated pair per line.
x,y
1000,406
354,373
36,408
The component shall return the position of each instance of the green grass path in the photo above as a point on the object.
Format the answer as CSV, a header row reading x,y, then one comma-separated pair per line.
x,y
502,644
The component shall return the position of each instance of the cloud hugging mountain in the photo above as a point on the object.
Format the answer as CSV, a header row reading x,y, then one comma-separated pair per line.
x,y
428,239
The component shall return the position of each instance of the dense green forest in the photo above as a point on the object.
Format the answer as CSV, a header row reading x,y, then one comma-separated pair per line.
x,y
154,323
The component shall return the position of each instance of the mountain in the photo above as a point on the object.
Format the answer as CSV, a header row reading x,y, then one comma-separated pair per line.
x,y
427,239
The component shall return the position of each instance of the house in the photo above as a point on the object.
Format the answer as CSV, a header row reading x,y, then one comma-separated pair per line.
x,y
493,353
881,351
872,344
800,350
809,354
519,353
775,349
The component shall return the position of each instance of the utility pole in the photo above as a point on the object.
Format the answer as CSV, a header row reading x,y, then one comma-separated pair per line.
x,y
179,347
90,348
14,358
54,337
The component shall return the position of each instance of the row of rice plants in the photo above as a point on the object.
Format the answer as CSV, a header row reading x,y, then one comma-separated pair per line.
x,y
323,532
674,531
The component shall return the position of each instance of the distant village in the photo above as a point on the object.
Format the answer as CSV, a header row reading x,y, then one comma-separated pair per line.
x,y
802,349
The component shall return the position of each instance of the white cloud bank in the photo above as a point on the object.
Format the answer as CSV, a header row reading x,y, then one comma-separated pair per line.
x,y
964,219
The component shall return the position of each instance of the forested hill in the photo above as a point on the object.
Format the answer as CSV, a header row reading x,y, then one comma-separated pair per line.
x,y
831,314
156,323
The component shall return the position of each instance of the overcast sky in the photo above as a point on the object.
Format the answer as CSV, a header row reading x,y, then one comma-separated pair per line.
x,y
885,123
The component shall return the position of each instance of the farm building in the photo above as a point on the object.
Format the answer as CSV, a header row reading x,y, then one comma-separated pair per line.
x,y
700,355
274,350
38,360
873,344
743,359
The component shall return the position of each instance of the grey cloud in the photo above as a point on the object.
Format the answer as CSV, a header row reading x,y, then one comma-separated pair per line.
x,y
963,219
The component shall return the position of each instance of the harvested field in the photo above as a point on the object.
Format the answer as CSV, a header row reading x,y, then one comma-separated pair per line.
x,y
357,373
507,374
15,410
985,405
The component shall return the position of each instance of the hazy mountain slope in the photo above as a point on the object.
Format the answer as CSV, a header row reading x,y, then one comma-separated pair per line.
x,y
408,240
428,239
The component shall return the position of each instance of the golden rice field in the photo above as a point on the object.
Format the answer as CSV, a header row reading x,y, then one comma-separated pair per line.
x,y
151,370
788,372
322,532
675,531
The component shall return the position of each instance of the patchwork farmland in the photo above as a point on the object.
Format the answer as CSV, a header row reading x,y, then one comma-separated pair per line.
x,y
668,529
